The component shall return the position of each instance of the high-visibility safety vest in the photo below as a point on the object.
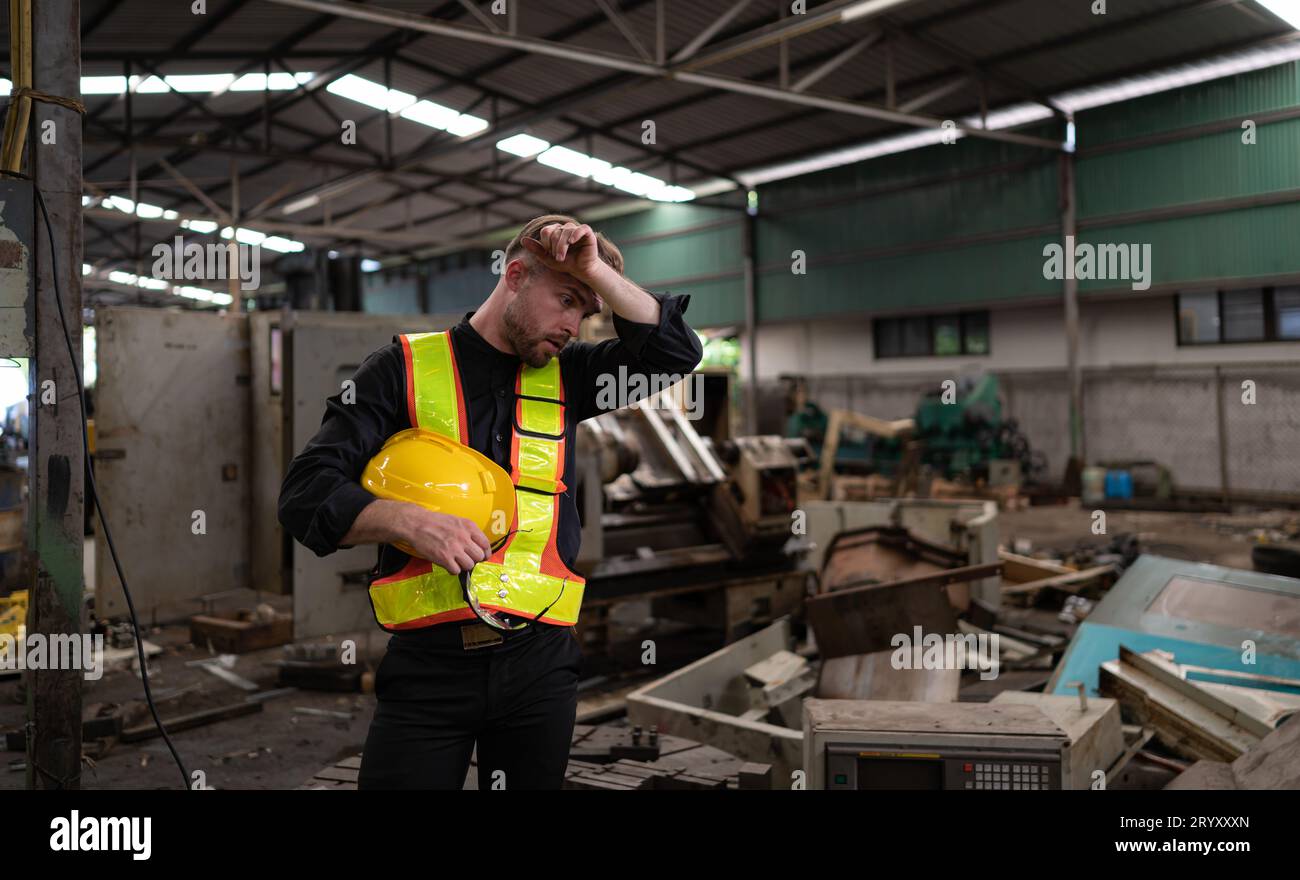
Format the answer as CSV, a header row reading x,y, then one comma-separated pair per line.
x,y
524,577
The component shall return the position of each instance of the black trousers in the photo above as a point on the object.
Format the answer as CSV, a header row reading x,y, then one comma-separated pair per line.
x,y
437,699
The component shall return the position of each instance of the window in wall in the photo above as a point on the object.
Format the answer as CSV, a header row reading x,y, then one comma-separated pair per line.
x,y
1266,314
1286,302
1243,316
932,335
975,332
947,335
1198,317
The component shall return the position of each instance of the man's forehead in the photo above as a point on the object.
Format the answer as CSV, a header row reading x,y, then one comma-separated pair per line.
x,y
590,301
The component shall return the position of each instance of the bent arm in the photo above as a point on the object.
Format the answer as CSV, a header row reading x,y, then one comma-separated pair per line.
x,y
666,350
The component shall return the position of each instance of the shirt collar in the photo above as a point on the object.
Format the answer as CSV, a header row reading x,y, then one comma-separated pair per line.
x,y
468,336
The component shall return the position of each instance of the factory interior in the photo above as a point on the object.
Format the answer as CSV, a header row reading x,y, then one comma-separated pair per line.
x,y
987,475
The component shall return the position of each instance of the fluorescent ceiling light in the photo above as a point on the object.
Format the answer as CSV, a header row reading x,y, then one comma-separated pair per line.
x,y
302,204
261,239
465,125
372,94
370,266
200,226
279,82
283,245
867,7
425,112
151,86
148,212
524,145
582,165
636,183
197,83
564,159
244,236
1287,10
130,279
430,114
203,82
672,194
437,116
103,85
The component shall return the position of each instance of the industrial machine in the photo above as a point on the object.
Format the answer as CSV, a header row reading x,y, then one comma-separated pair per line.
x,y
1022,744
959,433
702,528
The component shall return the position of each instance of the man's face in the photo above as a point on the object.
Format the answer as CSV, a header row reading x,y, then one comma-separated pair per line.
x,y
546,311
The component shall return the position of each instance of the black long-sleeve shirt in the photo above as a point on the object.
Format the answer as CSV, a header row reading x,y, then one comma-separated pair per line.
x,y
322,495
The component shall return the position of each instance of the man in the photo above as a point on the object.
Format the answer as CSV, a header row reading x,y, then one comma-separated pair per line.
x,y
449,683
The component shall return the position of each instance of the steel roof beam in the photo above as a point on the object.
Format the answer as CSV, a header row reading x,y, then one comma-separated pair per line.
x,y
400,19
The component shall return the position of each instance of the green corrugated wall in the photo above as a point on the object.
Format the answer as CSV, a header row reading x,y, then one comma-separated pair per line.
x,y
852,222
1211,245
956,225
686,248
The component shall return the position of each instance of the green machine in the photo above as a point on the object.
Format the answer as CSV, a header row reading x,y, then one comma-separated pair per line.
x,y
957,438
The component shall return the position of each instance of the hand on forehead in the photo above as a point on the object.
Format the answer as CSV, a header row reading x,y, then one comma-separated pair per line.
x,y
592,303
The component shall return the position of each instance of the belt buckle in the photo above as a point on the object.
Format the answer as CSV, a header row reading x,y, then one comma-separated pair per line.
x,y
478,635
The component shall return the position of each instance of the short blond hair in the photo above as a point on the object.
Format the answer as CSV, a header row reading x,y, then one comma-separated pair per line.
x,y
608,251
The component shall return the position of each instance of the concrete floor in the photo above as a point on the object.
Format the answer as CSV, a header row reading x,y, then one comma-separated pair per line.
x,y
1222,539
275,748
280,748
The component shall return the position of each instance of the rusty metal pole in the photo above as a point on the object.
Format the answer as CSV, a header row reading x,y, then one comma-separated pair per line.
x,y
56,458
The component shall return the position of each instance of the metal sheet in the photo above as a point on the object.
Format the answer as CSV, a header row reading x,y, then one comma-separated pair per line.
x,y
1129,616
267,450
172,439
16,227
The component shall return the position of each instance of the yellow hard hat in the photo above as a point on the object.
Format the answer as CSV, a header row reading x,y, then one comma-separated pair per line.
x,y
441,475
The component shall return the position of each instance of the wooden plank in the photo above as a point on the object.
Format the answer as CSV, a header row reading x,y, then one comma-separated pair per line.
x,y
241,636
1019,569
1181,724
192,720
340,774
1070,583
1159,669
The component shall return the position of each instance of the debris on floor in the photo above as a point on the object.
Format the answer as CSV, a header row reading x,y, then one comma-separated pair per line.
x,y
612,757
1204,615
1199,719
1273,763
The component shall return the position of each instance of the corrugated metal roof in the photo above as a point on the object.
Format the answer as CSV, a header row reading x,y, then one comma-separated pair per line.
x,y
1039,46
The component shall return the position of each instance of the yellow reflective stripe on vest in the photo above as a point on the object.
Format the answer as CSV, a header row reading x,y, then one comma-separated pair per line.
x,y
527,545
539,464
544,416
562,595
434,380
416,598
438,594
543,382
